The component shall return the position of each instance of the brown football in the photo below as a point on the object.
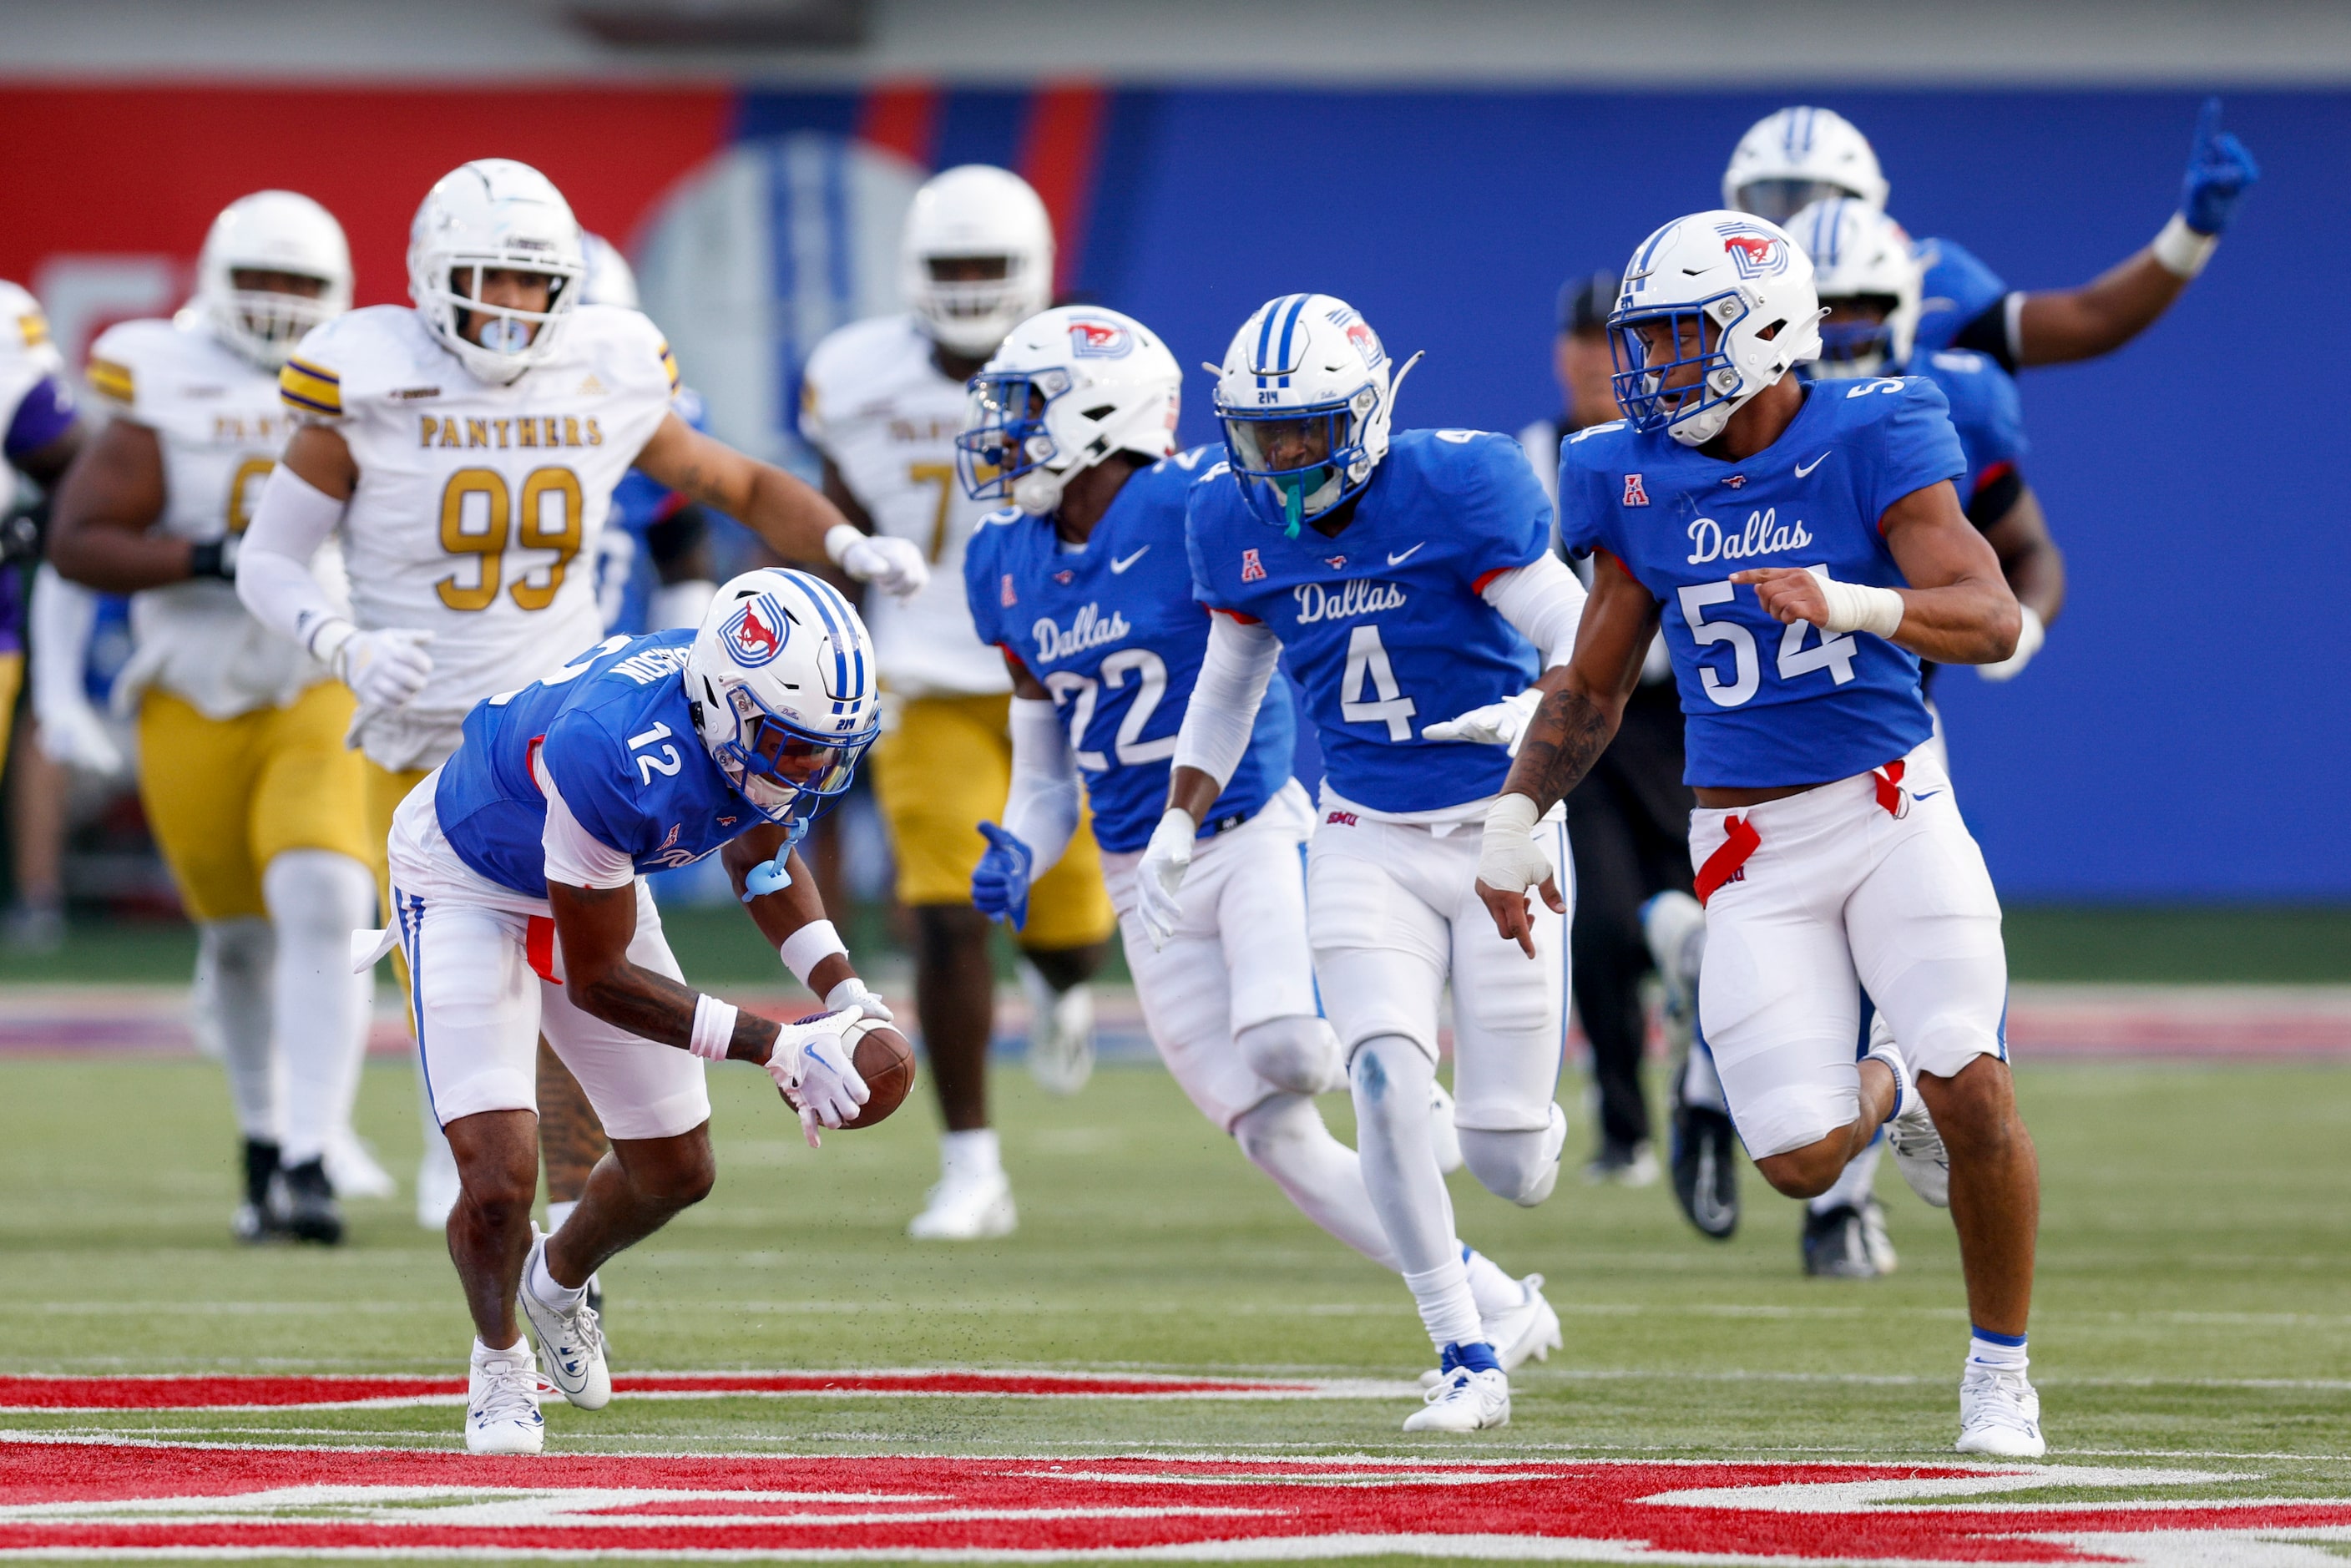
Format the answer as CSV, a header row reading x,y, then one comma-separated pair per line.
x,y
886,1062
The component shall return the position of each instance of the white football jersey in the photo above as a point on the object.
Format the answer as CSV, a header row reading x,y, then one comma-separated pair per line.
x,y
873,403
27,355
217,418
479,509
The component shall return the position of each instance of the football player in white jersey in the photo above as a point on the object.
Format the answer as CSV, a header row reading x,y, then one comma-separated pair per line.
x,y
884,400
466,451
253,800
40,433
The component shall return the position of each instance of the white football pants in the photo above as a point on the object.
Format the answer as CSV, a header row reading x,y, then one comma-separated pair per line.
x,y
1872,883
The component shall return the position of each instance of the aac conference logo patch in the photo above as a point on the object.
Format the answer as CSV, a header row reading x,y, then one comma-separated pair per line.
x,y
755,632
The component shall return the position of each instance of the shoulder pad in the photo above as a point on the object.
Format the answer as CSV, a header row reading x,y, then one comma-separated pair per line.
x,y
126,355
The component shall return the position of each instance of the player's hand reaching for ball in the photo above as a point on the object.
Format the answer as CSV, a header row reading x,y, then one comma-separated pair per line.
x,y
1509,861
892,565
810,1065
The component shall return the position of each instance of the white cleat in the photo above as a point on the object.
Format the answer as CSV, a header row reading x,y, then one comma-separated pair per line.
x,y
570,1344
1061,1033
971,1208
1910,1134
1875,1239
1464,1401
1527,1331
502,1402
1447,1136
352,1169
2000,1414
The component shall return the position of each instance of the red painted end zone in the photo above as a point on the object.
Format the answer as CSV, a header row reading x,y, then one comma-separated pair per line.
x,y
203,1393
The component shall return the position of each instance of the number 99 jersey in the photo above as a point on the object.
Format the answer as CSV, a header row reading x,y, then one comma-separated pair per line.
x,y
479,509
1769,706
1113,632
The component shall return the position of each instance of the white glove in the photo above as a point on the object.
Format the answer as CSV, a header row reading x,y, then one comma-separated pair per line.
x,y
1160,876
1508,858
853,994
73,734
892,565
383,669
810,1064
2030,635
1496,723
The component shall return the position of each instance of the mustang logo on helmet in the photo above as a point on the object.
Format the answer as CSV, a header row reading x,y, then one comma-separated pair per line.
x,y
755,632
1367,342
1754,254
1100,341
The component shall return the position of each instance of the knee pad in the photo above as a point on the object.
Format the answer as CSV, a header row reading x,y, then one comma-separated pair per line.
x,y
1273,1125
1521,1167
1297,1053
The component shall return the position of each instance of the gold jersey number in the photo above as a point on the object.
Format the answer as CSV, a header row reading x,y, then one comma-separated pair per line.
x,y
244,491
481,529
943,475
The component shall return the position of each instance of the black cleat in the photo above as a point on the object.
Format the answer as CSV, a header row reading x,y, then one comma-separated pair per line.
x,y
311,1213
256,1218
1836,1245
1706,1169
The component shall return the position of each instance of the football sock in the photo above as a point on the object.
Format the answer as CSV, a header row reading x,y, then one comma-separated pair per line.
x,y
1853,1186
234,966
317,898
1701,1086
1392,1079
1285,1138
1494,1291
1999,1352
970,1156
1476,1357
544,1286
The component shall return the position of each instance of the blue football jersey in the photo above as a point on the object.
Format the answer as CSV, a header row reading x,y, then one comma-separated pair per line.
x,y
1957,289
1766,705
1113,632
1985,412
613,729
1383,625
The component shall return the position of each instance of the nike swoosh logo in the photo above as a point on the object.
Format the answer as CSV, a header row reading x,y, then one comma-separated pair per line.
x,y
1397,558
1117,566
1925,794
1804,468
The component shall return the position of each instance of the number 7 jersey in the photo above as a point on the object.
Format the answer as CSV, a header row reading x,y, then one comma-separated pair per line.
x,y
1767,705
479,508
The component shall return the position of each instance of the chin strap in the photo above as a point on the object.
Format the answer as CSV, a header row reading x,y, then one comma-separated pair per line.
x,y
774,875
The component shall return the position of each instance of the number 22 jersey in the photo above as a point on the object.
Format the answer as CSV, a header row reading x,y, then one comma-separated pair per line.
x,y
1768,705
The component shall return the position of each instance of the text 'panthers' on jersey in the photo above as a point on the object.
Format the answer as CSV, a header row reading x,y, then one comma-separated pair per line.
x,y
479,509
1382,623
1766,705
875,403
220,425
1113,631
613,729
1985,410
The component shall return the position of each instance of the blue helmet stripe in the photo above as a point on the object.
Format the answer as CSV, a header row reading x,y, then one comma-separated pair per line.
x,y
828,598
817,593
1265,332
1290,324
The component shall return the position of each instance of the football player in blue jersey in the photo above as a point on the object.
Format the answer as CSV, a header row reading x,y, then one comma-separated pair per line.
x,y
1412,584
518,879
1085,585
1796,156
1803,547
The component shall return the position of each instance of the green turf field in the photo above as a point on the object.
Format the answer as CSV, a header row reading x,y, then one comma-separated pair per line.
x,y
2196,1285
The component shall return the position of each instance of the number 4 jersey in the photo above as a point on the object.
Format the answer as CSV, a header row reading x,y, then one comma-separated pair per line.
x,y
479,508
1769,706
1113,632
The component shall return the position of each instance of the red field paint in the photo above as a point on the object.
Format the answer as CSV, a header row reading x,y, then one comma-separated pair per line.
x,y
240,1393
100,1497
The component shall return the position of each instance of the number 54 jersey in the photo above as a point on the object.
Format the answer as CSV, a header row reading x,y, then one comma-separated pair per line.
x,y
1767,705
479,508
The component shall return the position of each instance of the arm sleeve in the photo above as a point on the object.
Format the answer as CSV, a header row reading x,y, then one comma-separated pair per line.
x,y
272,564
576,857
64,613
1993,333
1042,811
1917,447
1544,601
1225,699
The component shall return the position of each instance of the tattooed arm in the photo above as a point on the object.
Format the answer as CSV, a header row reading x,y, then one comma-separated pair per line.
x,y
595,926
1582,701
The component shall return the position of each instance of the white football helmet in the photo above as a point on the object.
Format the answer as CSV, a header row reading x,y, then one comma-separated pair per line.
x,y
610,279
1714,307
1305,396
271,231
1798,156
1860,253
1066,389
785,693
494,215
976,213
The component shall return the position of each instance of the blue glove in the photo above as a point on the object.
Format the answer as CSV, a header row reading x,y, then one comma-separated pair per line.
x,y
999,888
2220,171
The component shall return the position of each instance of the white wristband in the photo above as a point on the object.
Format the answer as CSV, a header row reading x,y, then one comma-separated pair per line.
x,y
1855,607
2180,250
1512,813
713,1028
839,538
327,640
811,945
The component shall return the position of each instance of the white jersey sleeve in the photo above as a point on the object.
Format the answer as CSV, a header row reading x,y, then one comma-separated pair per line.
x,y
479,509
